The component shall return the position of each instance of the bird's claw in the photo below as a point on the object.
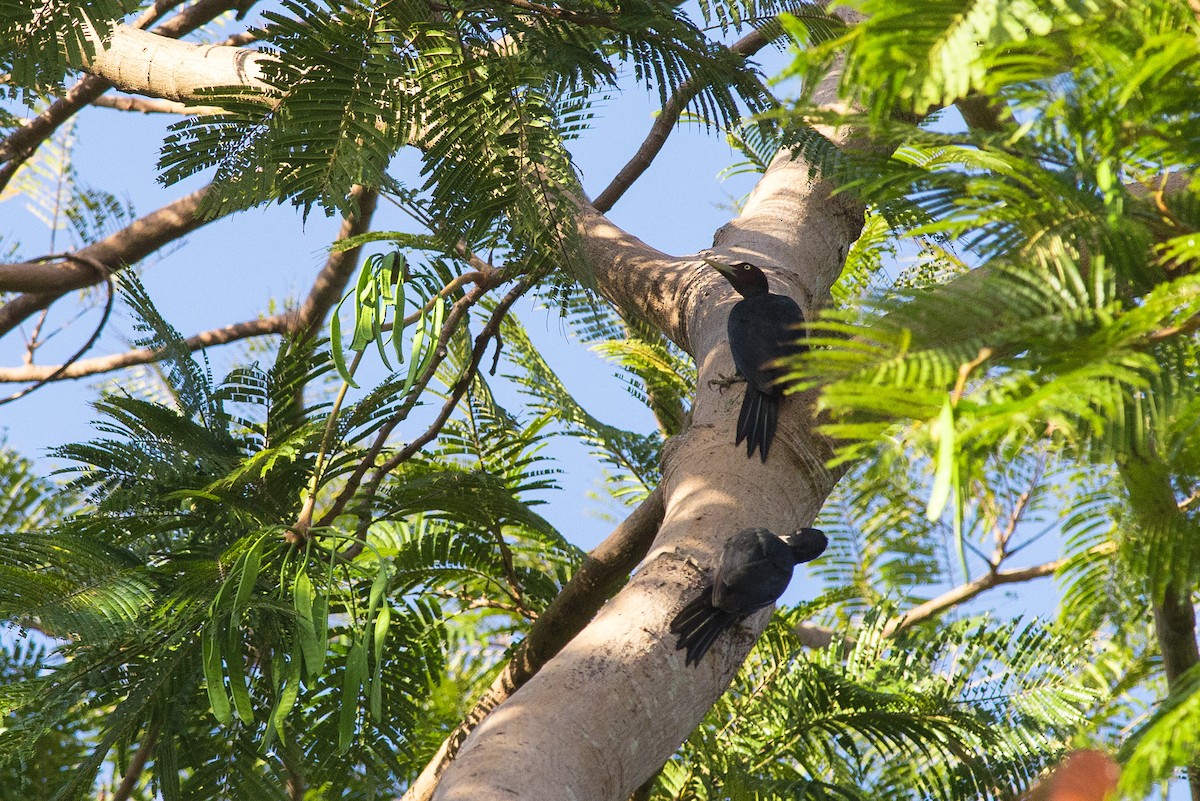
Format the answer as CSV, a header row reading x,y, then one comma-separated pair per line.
x,y
723,382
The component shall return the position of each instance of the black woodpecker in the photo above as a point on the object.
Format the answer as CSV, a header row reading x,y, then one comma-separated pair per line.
x,y
754,571
762,327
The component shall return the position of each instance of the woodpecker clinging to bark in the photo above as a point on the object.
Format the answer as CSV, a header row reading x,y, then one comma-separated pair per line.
x,y
755,569
763,327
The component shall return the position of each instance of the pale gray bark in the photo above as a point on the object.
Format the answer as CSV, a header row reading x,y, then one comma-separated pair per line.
x,y
144,63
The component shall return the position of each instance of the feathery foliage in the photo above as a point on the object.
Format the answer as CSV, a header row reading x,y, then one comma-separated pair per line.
x,y
1031,372
42,41
971,710
241,657
1075,329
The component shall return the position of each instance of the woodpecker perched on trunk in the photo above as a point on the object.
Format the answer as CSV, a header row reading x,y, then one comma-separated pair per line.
x,y
763,327
754,571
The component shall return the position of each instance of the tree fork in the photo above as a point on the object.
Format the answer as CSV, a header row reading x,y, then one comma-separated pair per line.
x,y
21,144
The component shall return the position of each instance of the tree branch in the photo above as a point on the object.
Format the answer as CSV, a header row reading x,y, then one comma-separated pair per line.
x,y
275,324
145,63
566,14
306,320
44,283
965,592
56,373
1189,326
21,144
748,45
133,771
331,282
149,105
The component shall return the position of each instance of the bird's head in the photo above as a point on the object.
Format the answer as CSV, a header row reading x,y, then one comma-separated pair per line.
x,y
807,544
745,277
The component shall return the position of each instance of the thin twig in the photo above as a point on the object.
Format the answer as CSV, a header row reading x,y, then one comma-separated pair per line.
x,y
297,534
456,394
964,372
510,575
1004,535
133,771
33,343
108,305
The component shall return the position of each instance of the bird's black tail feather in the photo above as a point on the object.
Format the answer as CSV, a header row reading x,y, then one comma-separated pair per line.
x,y
699,624
756,421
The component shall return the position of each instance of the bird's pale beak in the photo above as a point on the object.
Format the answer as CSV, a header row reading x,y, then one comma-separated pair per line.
x,y
721,267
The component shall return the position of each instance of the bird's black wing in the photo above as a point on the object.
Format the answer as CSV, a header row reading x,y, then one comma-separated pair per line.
x,y
755,570
762,329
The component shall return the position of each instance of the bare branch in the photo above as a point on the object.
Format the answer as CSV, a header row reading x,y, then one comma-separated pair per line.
x,y
21,144
149,105
748,45
275,324
146,63
44,283
1188,326
155,12
813,636
327,288
331,281
61,369
133,771
965,592
1004,535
